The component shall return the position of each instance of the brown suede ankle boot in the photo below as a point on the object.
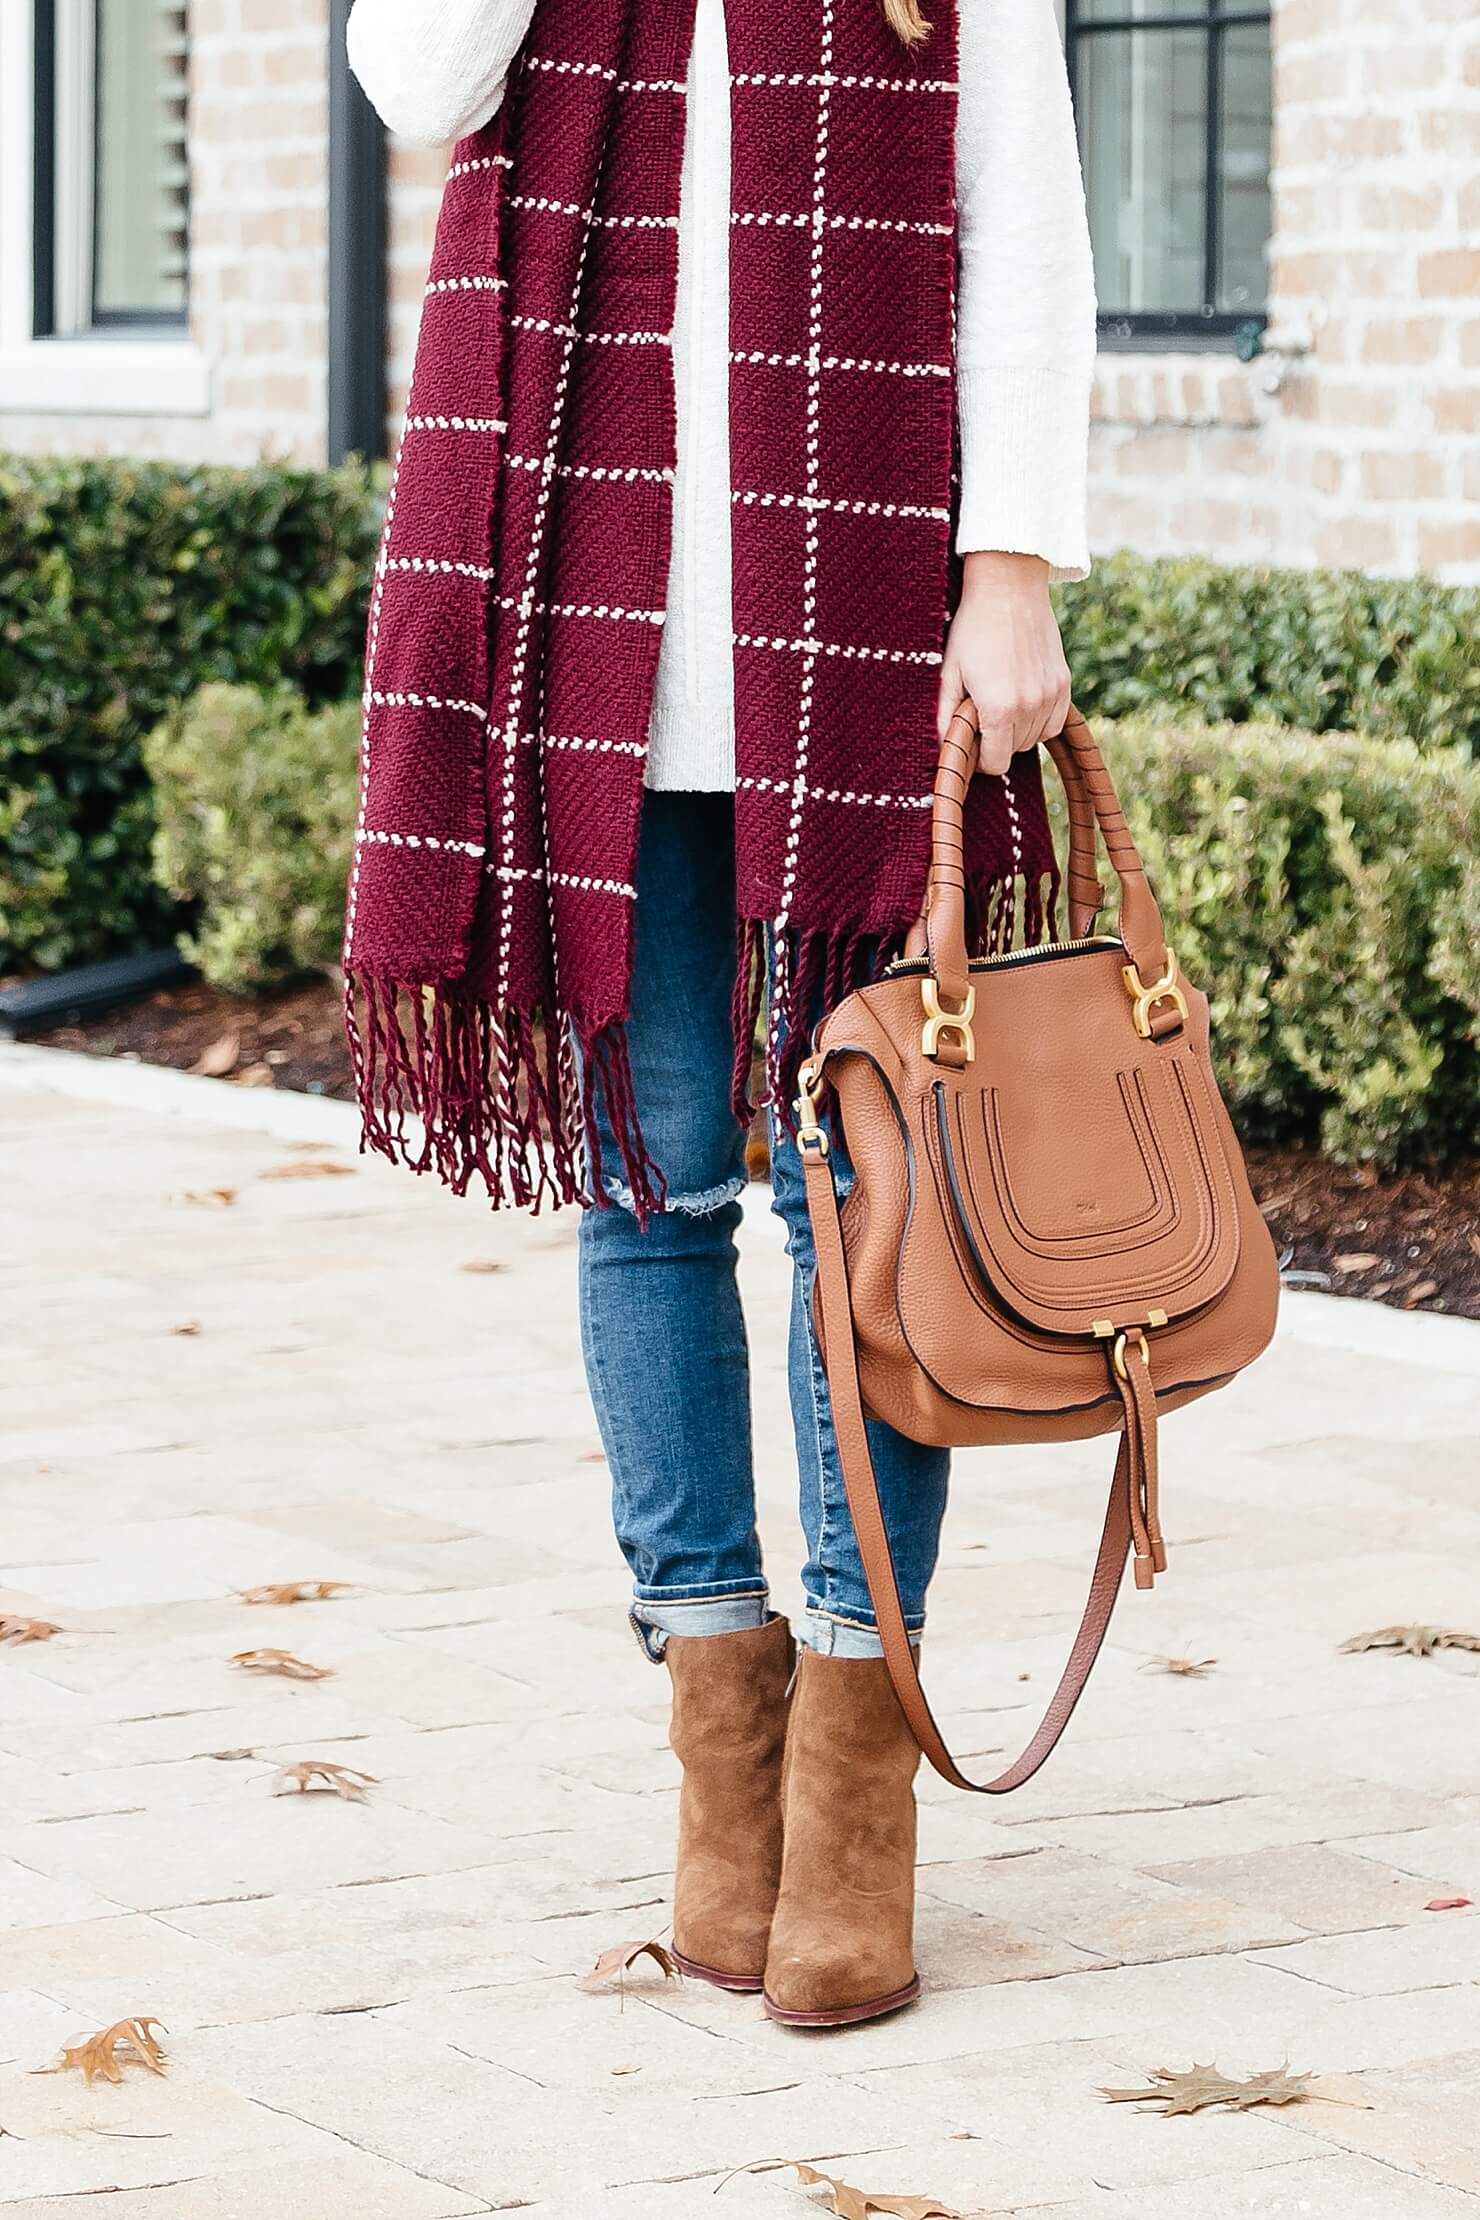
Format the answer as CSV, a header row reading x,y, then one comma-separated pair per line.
x,y
842,1940
729,1733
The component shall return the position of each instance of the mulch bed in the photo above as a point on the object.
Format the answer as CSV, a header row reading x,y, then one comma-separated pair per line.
x,y
1411,1241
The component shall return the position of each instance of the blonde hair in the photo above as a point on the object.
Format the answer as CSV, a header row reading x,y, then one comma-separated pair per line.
x,y
906,20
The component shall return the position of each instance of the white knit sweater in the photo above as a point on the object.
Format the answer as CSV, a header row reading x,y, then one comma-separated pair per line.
x,y
436,69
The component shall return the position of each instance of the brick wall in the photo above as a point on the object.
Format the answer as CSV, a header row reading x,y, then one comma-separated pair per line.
x,y
260,222
416,176
1365,449
258,245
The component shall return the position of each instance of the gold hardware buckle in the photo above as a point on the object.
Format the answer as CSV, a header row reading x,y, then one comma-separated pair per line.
x,y
1122,1342
811,1140
939,1020
1166,989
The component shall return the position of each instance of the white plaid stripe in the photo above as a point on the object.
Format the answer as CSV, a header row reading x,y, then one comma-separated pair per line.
x,y
613,473
455,424
849,649
836,794
822,503
792,853
847,223
845,362
591,338
427,701
602,70
505,866
579,880
541,205
476,162
826,79
420,840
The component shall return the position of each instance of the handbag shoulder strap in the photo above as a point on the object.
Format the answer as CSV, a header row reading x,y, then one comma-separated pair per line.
x,y
1122,1520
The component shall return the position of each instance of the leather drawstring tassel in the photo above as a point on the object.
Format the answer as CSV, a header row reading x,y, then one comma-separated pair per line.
x,y
1130,1369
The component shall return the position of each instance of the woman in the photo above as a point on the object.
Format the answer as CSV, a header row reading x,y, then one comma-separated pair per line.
x,y
747,318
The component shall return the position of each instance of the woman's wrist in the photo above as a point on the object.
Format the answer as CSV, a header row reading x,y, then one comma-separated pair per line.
x,y
996,571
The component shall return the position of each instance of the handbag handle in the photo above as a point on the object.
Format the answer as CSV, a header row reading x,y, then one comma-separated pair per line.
x,y
1094,806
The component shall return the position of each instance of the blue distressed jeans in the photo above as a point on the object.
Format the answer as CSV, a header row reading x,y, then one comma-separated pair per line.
x,y
661,1325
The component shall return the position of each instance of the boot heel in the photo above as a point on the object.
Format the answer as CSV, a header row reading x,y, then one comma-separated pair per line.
x,y
842,1940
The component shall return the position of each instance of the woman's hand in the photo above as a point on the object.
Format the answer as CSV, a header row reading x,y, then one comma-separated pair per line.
x,y
1004,651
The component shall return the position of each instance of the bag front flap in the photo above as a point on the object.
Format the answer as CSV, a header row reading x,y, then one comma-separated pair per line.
x,y
1083,1167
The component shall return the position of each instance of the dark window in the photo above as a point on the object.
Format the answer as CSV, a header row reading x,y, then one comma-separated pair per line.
x,y
112,176
1174,106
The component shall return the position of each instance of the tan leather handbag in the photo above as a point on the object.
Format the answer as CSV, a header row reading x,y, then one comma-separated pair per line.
x,y
1051,1232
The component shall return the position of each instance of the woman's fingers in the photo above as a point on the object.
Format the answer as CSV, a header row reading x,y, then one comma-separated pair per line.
x,y
1004,651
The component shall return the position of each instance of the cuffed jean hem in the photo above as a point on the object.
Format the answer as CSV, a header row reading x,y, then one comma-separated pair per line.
x,y
652,1623
831,1636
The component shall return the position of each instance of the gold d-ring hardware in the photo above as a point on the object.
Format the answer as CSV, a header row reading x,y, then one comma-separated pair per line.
x,y
1118,1352
1167,989
938,1021
811,1140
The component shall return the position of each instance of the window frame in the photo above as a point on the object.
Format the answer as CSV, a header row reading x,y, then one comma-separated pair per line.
x,y
1178,330
64,206
164,373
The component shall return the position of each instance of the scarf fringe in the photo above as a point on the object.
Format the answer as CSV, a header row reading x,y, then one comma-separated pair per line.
x,y
446,1085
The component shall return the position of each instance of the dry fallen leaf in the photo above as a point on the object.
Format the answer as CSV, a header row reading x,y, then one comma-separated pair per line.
x,y
256,1075
1412,1641
482,1264
230,1757
1449,1904
221,1057
622,1957
211,1198
126,2042
315,1776
1203,2086
309,1167
14,1631
1186,1668
283,1663
294,1591
1362,1263
188,1331
856,2204
1425,1292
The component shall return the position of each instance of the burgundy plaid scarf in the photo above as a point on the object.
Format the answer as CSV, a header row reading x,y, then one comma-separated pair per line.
x,y
520,590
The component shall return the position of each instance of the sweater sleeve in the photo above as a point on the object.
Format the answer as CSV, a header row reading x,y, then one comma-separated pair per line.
x,y
435,69
1025,341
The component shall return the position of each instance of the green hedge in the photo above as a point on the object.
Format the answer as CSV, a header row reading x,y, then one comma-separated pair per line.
x,y
123,587
256,796
1326,893
1328,651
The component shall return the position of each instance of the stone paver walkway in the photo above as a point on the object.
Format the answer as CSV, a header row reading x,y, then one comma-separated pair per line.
x,y
373,2009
